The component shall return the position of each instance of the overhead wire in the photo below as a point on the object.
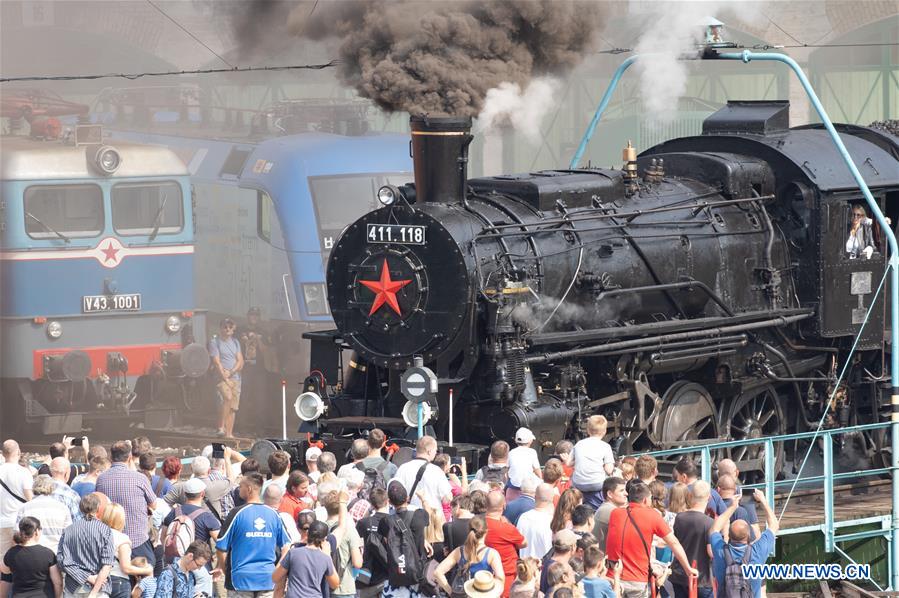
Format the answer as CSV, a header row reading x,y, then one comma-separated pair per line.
x,y
132,76
185,30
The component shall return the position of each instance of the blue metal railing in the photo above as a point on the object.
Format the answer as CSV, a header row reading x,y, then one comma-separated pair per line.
x,y
709,451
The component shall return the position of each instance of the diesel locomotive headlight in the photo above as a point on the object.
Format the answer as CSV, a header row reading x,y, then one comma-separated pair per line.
x,y
316,299
173,324
107,159
388,195
54,329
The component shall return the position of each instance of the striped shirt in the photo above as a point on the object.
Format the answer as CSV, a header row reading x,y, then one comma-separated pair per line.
x,y
85,547
69,498
53,516
147,587
132,490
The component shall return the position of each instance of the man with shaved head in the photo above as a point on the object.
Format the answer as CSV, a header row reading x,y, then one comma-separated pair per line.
x,y
59,471
745,511
692,528
522,504
534,525
735,549
503,537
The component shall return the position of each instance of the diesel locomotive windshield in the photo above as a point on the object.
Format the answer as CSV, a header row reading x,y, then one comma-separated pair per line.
x,y
147,208
67,210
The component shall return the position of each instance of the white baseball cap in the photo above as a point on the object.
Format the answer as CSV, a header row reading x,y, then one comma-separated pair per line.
x,y
313,453
524,435
194,486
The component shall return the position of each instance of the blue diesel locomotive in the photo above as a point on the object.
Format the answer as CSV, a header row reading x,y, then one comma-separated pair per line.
x,y
97,307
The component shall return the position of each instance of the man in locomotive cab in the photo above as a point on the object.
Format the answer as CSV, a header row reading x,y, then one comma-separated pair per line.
x,y
861,235
227,360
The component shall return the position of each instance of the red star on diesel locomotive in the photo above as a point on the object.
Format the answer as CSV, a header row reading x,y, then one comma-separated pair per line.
x,y
385,290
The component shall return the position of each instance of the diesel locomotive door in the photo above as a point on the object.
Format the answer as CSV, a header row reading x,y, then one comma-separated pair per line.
x,y
849,277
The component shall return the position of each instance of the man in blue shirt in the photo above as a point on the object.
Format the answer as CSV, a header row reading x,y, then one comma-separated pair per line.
x,y
522,504
178,580
738,542
227,360
251,543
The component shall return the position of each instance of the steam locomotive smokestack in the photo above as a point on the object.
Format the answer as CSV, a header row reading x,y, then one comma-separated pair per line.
x,y
440,157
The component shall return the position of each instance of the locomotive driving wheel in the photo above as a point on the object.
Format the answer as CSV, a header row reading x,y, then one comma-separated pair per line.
x,y
754,414
688,414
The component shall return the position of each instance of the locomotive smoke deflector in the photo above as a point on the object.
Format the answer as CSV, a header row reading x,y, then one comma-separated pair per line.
x,y
440,157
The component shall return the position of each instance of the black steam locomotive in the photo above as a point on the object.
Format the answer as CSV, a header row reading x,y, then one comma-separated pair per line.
x,y
707,290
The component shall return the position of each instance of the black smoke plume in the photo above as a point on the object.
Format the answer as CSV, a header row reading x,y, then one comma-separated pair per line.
x,y
442,57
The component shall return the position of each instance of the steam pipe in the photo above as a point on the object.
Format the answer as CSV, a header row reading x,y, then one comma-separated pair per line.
x,y
746,56
603,104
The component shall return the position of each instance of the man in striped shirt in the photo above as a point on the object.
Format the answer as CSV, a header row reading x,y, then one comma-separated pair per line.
x,y
53,515
59,471
132,490
86,553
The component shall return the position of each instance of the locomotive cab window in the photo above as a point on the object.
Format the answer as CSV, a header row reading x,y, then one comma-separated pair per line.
x,y
63,211
147,208
863,237
340,200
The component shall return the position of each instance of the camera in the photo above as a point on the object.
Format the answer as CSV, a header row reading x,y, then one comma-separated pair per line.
x,y
78,441
218,450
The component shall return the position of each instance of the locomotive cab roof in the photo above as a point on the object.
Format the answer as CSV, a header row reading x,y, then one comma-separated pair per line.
x,y
759,129
25,159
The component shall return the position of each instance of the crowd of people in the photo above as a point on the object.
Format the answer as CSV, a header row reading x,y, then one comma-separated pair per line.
x,y
582,524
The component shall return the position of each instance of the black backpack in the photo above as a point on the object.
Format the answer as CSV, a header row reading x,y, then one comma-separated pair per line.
x,y
374,554
374,478
499,475
735,585
405,565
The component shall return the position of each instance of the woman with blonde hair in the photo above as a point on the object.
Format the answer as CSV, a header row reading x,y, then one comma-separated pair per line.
x,y
527,581
114,517
570,499
472,557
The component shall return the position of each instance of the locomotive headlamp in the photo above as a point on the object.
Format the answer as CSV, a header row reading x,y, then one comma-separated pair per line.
x,y
316,299
388,194
173,324
54,329
107,159
410,413
309,406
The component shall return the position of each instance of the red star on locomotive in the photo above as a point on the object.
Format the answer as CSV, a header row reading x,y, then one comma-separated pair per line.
x,y
385,290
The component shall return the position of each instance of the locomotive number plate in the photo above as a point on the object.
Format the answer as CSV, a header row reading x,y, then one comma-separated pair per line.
x,y
402,234
129,302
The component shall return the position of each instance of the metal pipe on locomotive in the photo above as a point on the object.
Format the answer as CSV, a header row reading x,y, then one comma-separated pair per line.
x,y
702,291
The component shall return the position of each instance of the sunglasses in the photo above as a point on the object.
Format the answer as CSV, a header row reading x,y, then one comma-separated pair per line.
x,y
305,528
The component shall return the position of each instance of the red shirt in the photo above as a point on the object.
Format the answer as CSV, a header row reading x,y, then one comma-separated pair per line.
x,y
504,538
623,542
292,505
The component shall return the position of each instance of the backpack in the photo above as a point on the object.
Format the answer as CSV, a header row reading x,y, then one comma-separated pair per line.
x,y
374,478
498,475
405,566
735,585
181,533
373,553
335,552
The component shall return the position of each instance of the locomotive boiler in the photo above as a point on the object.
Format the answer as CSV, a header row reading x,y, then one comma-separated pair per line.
x,y
703,291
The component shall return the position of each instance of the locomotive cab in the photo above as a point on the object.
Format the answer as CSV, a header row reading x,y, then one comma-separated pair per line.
x,y
852,262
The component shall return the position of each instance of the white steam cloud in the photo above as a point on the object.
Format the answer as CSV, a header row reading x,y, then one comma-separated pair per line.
x,y
663,76
508,105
